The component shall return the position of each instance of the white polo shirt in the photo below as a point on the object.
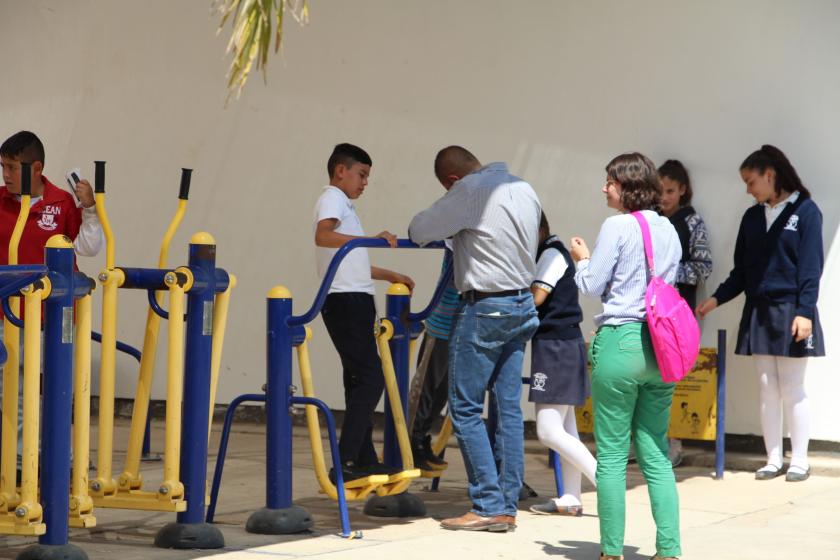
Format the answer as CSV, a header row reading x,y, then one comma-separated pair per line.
x,y
353,274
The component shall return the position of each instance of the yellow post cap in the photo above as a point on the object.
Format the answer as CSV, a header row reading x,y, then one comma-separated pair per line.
x,y
279,292
59,242
202,238
231,281
398,289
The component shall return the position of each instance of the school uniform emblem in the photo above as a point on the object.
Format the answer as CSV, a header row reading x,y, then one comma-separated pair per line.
x,y
47,222
792,223
809,342
538,381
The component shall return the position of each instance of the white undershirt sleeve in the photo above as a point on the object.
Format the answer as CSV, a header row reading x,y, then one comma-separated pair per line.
x,y
91,239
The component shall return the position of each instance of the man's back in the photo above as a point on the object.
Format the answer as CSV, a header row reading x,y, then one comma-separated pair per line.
x,y
493,218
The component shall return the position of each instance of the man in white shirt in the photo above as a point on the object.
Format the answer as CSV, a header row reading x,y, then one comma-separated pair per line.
x,y
349,312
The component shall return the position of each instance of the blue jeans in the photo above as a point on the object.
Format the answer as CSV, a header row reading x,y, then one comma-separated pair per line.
x,y
486,349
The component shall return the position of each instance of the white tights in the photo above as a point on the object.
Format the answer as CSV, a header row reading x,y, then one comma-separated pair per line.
x,y
782,384
557,430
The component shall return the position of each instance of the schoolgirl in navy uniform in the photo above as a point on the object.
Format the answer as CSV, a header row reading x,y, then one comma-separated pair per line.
x,y
778,264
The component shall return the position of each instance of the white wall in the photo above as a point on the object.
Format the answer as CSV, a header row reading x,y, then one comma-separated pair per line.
x,y
554,88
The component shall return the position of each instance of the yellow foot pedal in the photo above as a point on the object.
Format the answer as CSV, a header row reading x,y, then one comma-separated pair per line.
x,y
398,483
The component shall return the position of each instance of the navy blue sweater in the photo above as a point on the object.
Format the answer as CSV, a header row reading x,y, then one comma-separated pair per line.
x,y
783,264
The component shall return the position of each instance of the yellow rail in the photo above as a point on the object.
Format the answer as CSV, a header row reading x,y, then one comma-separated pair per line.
x,y
220,312
81,504
130,479
11,374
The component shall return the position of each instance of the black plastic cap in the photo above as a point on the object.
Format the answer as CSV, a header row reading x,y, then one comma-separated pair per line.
x,y
99,177
186,175
25,178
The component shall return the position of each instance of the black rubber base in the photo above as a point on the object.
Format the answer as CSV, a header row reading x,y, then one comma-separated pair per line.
x,y
188,536
399,505
285,521
52,552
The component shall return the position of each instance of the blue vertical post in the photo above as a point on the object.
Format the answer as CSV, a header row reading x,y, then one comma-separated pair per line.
x,y
57,405
720,428
279,516
191,531
398,303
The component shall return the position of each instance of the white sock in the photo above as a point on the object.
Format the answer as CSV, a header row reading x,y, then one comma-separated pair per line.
x,y
557,430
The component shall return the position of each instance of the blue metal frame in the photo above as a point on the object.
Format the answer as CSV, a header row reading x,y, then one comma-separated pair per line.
x,y
397,311
57,407
196,408
720,428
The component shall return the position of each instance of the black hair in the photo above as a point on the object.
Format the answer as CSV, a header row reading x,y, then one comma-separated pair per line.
x,y
24,146
771,157
347,155
640,187
544,223
455,160
676,171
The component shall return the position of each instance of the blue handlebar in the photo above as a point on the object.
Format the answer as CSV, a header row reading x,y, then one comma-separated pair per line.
x,y
369,243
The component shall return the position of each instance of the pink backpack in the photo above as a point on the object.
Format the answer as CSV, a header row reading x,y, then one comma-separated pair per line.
x,y
673,329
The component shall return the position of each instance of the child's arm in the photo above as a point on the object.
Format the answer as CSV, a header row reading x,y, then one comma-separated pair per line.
x,y
326,236
390,276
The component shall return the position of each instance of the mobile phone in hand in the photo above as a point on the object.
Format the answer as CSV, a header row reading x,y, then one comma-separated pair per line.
x,y
73,178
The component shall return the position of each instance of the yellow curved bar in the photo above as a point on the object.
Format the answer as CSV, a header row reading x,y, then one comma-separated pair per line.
x,y
11,373
29,505
104,483
220,311
354,490
443,436
172,488
394,394
81,504
102,214
312,421
130,479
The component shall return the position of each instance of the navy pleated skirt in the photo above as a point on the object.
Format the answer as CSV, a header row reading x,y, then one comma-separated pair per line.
x,y
765,329
559,373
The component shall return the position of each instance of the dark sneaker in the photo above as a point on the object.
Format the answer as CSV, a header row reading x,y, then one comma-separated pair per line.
x,y
430,455
526,492
379,468
349,472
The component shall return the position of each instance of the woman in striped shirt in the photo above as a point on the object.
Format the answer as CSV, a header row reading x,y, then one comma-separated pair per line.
x,y
628,394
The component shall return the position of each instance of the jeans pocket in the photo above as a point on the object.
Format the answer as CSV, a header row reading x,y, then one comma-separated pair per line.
x,y
493,329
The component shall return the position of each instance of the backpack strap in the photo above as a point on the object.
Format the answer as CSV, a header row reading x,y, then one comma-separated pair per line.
x,y
646,239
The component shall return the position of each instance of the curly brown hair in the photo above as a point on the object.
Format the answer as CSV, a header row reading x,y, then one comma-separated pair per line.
x,y
639,180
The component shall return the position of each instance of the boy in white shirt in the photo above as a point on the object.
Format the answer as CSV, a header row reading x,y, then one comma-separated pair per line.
x,y
349,312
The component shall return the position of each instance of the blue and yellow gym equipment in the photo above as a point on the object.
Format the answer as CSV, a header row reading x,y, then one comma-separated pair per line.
x,y
285,332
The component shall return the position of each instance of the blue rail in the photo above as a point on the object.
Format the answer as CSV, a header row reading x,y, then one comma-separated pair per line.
x,y
369,243
445,278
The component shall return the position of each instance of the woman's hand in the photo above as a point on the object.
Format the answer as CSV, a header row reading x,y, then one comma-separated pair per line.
x,y
801,328
578,249
704,308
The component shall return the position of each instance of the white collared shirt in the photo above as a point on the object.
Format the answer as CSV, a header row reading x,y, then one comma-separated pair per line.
x,y
354,271
773,212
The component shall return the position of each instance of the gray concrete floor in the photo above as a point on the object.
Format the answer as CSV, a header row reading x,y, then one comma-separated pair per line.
x,y
737,517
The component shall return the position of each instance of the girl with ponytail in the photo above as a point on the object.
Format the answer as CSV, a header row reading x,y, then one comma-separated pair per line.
x,y
778,264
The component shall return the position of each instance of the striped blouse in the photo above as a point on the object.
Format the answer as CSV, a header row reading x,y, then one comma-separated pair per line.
x,y
617,272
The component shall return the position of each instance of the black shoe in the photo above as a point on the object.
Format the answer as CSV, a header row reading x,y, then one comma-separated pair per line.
x,y
379,468
349,472
434,460
526,492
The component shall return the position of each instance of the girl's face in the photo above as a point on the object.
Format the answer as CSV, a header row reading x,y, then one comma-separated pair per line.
x,y
761,186
672,191
612,190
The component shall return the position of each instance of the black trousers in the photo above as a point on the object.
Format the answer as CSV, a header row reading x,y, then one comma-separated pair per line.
x,y
435,388
350,319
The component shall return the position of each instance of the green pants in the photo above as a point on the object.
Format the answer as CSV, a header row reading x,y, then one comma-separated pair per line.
x,y
629,397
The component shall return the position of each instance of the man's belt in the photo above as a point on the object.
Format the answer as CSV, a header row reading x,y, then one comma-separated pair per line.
x,y
475,295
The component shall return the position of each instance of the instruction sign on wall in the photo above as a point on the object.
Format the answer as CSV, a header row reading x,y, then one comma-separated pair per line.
x,y
694,408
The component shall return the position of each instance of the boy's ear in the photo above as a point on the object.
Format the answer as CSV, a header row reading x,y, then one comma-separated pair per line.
x,y
37,167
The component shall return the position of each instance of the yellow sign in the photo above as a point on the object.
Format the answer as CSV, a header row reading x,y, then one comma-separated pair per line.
x,y
694,408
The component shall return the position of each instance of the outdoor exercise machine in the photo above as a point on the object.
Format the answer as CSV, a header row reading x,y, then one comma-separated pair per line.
x,y
285,332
